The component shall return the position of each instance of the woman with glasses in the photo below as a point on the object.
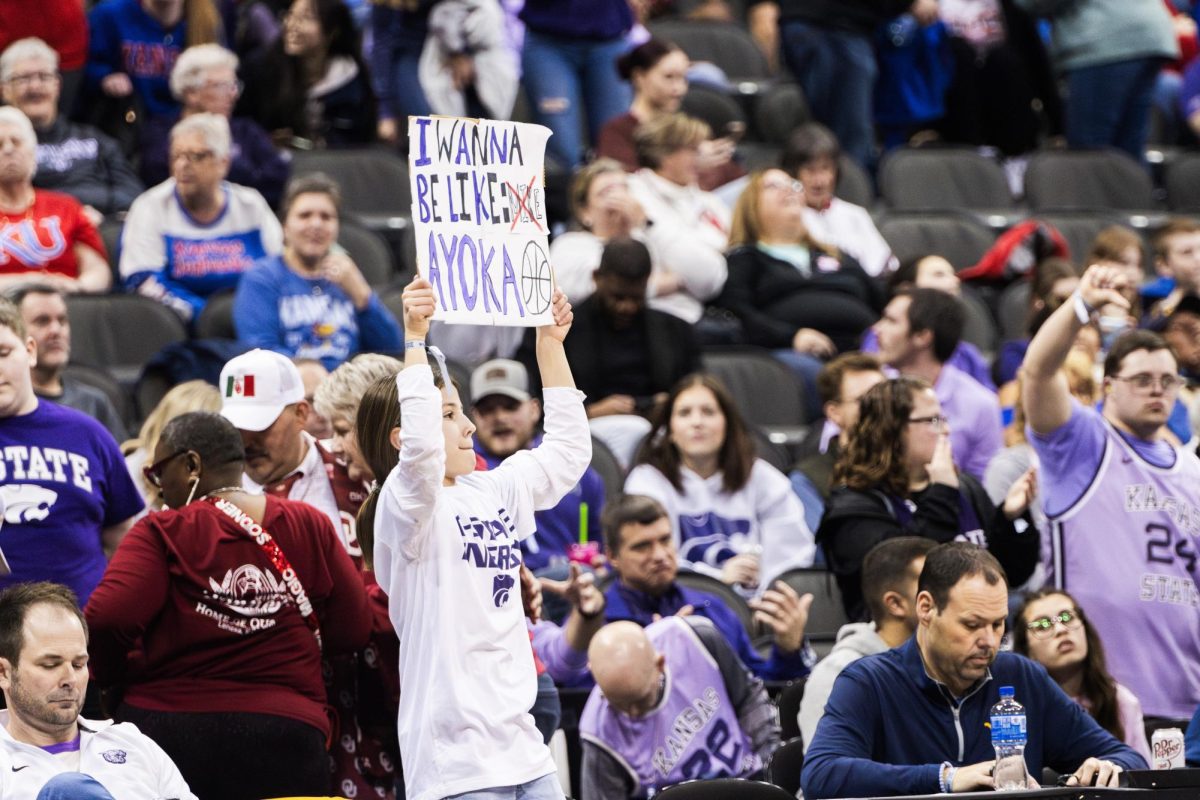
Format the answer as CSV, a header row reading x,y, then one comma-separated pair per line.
x,y
204,79
804,300
1052,629
195,233
896,477
213,616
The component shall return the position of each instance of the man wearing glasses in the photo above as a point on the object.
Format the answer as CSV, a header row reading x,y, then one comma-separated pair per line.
x,y
72,158
1123,502
67,496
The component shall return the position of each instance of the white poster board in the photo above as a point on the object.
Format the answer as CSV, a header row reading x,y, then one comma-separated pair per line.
x,y
479,216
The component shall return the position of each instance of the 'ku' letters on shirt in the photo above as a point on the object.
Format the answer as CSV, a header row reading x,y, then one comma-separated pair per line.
x,y
479,212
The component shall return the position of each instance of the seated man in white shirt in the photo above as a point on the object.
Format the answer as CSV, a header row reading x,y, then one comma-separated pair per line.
x,y
811,157
44,675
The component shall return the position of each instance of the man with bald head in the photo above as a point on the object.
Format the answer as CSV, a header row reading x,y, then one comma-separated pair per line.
x,y
672,703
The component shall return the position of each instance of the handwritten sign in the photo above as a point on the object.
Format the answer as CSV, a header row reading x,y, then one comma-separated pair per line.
x,y
479,212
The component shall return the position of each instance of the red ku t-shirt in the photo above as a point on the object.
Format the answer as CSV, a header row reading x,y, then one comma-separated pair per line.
x,y
43,237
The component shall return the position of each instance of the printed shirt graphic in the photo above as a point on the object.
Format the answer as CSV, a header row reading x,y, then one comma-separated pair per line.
x,y
167,255
1127,550
43,237
693,734
448,558
63,480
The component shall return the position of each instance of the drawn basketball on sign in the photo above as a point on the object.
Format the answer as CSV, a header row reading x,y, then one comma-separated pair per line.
x,y
536,283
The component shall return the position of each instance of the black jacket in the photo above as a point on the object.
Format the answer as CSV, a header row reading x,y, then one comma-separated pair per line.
x,y
81,161
855,521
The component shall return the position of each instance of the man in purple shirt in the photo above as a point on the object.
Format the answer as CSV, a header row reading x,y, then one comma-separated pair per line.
x,y
1123,502
918,333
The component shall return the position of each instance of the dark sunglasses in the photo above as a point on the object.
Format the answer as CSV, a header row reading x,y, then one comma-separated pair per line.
x,y
153,472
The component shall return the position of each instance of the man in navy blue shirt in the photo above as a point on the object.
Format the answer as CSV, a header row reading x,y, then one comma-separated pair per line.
x,y
914,720
641,550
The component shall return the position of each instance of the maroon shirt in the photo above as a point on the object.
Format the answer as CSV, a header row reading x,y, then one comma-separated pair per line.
x,y
616,141
219,631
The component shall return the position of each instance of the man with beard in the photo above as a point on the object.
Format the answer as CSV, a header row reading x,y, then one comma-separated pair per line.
x,y
506,420
46,744
914,720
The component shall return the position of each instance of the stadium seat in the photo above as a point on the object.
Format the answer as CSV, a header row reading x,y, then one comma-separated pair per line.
x,y
980,329
369,251
715,107
374,182
779,110
724,789
937,179
766,392
120,332
759,155
99,379
734,601
788,702
1013,310
959,239
854,184
1085,180
783,769
110,234
827,615
1183,183
216,318
730,47
776,455
606,464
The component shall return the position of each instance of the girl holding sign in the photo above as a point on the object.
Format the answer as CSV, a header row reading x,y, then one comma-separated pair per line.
x,y
447,552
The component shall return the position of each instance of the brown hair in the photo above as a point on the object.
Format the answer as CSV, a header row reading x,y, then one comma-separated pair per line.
x,y
745,228
885,569
378,412
1042,302
15,603
203,22
311,183
628,509
1111,243
1099,687
10,317
831,376
874,457
1175,226
737,455
670,133
1129,342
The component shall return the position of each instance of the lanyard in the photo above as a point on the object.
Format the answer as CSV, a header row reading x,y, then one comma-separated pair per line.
x,y
278,559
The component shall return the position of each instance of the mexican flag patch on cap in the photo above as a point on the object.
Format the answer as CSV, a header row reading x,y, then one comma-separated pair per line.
x,y
241,386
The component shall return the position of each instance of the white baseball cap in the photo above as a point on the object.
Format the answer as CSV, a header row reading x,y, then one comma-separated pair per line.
x,y
500,376
256,387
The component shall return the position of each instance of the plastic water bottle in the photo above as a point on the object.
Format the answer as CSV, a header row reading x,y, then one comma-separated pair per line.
x,y
1009,738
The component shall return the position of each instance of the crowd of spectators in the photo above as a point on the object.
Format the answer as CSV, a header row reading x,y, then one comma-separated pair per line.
x,y
258,584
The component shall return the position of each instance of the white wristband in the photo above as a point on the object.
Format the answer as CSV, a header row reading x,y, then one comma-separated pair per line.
x,y
1083,312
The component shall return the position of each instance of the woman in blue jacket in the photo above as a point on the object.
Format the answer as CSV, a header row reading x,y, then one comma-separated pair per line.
x,y
311,301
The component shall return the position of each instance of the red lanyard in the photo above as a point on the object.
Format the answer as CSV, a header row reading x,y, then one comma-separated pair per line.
x,y
278,559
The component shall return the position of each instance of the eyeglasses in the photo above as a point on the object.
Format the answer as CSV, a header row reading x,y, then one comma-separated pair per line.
x,y
1043,627
26,78
233,87
785,186
197,157
938,422
1144,381
153,472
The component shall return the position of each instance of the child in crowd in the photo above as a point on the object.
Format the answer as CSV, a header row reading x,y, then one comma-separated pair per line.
x,y
446,551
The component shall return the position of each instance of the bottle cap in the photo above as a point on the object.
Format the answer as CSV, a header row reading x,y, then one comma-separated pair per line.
x,y
1007,691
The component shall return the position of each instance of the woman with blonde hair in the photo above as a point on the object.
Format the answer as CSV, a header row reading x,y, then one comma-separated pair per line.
x,y
185,397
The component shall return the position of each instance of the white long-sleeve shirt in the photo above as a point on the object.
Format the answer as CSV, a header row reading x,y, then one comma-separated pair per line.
x,y
448,557
710,524
118,756
850,229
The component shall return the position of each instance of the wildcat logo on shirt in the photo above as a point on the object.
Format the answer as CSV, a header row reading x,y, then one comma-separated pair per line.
x,y
489,543
24,502
22,242
502,584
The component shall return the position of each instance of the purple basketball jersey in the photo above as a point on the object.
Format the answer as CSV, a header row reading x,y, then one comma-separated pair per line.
x,y
1127,551
693,733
